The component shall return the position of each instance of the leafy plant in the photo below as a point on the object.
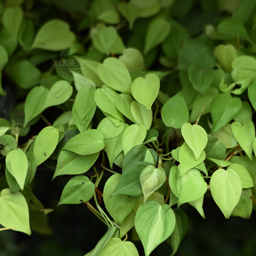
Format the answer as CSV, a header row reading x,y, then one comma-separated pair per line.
x,y
129,93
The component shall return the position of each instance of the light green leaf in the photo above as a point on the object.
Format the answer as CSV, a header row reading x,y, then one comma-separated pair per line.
x,y
196,138
201,79
193,189
141,114
12,20
70,163
4,126
145,90
117,247
252,93
215,148
226,136
223,109
86,143
245,113
175,111
129,11
45,144
26,34
17,165
8,142
147,8
55,35
134,135
115,75
244,135
226,189
118,206
154,223
244,175
110,16
81,81
187,158
221,163
132,59
11,181
157,31
14,211
78,189
31,167
108,129
151,179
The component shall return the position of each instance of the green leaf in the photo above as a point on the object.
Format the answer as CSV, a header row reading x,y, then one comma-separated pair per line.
x,y
252,93
4,126
9,144
147,8
14,211
201,79
152,135
55,35
225,54
129,11
60,92
17,165
187,158
244,135
145,90
86,143
26,34
226,136
194,188
141,114
31,167
175,111
129,183
158,29
221,163
245,113
223,109
70,163
244,175
132,59
78,189
179,231
3,57
134,135
114,74
151,179
12,20
117,247
196,138
108,129
118,206
81,81
154,223
215,148
226,189
45,144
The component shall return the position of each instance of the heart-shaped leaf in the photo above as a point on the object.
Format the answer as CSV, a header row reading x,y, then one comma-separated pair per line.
x,y
129,11
55,35
145,90
108,129
196,138
132,59
226,189
252,93
154,223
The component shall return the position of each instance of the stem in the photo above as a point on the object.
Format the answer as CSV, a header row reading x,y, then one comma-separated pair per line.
x,y
126,237
168,193
95,212
162,97
27,145
3,229
45,120
156,111
72,100
167,132
200,115
105,168
160,162
167,154
156,144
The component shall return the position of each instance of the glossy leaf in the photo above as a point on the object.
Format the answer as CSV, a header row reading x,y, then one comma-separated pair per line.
x,y
175,111
118,206
8,142
154,223
4,126
132,59
14,211
245,113
226,136
252,93
226,189
78,189
108,129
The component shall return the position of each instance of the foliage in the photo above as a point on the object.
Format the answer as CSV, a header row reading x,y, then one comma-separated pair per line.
x,y
129,90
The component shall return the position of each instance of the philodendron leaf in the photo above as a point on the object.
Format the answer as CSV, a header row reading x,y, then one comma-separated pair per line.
x,y
114,74
226,136
45,143
14,211
86,143
154,223
243,173
179,231
8,142
70,163
201,79
225,54
244,135
193,189
108,129
187,158
223,109
141,114
118,206
226,189
151,178
145,90
196,138
79,189
175,111
132,59
17,165
117,247
157,31
4,126
134,135
252,93
148,8
55,35
129,11
254,146
4,57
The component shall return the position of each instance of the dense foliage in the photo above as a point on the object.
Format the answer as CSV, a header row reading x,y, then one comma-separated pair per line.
x,y
154,96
